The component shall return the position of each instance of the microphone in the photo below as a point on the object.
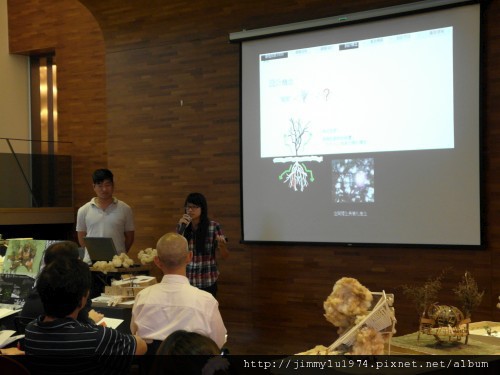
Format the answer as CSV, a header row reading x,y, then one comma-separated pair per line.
x,y
183,227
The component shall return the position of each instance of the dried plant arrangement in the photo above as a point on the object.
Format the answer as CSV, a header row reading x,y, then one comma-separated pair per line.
x,y
365,320
468,294
424,295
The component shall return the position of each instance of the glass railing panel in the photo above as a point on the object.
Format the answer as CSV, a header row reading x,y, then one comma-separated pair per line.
x,y
36,179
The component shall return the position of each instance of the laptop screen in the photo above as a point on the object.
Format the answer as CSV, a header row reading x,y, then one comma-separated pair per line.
x,y
100,248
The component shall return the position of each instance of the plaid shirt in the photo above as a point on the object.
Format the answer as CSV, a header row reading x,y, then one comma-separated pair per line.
x,y
202,272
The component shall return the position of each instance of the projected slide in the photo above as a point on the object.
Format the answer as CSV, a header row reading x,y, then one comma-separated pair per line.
x,y
397,96
364,133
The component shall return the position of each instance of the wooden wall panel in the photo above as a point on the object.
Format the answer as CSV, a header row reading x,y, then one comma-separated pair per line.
x,y
170,126
69,29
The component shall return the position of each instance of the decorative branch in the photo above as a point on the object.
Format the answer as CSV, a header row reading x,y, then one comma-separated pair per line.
x,y
468,294
423,296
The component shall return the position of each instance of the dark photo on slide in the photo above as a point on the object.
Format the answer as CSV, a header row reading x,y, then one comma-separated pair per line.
x,y
353,180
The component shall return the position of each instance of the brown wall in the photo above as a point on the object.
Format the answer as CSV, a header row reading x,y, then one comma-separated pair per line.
x,y
124,68
69,29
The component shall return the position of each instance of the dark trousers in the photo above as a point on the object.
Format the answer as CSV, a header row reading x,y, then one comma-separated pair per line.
x,y
212,289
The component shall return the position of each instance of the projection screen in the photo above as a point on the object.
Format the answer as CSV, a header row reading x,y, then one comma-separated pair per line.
x,y
364,133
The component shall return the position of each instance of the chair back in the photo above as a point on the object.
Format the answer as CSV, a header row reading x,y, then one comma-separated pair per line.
x,y
11,366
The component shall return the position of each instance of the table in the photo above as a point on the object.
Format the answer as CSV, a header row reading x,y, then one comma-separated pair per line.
x,y
7,320
117,312
478,344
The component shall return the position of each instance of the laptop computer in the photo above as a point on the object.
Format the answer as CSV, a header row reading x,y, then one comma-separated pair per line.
x,y
100,248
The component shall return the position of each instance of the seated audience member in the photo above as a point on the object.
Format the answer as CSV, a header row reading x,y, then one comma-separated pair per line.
x,y
64,287
182,342
173,303
33,307
204,355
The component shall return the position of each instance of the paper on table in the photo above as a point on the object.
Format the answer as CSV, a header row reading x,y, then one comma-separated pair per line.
x,y
6,312
483,332
6,337
131,302
111,300
137,278
110,322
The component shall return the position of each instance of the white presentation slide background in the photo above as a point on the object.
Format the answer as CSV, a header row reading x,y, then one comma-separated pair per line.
x,y
398,96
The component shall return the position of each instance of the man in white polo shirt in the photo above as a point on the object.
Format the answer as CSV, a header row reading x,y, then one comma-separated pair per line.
x,y
105,215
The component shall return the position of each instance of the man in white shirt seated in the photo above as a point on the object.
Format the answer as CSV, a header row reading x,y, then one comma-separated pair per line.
x,y
173,303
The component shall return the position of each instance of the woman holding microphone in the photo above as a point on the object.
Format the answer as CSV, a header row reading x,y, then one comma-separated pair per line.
x,y
205,238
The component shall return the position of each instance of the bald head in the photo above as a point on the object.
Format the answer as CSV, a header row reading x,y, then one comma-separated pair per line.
x,y
173,252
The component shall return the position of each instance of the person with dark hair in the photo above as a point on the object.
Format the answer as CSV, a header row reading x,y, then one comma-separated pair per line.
x,y
184,352
205,239
173,304
182,342
105,215
59,249
64,287
33,307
